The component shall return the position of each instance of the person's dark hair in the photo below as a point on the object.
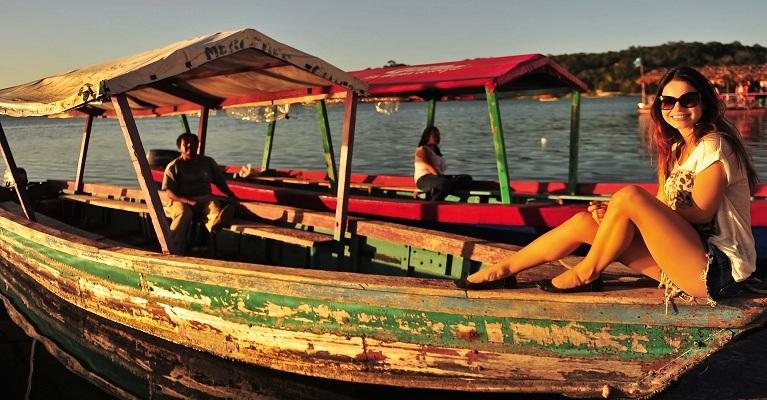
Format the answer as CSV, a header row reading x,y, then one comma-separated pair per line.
x,y
425,138
190,137
712,120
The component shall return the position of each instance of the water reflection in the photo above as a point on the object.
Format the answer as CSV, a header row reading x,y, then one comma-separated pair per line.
x,y
751,125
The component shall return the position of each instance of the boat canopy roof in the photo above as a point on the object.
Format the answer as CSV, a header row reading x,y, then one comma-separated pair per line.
x,y
510,73
215,71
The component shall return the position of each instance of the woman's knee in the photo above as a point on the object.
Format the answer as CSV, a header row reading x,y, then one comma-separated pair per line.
x,y
583,225
629,197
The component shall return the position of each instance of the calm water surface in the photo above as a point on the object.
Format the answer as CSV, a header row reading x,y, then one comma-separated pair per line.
x,y
613,144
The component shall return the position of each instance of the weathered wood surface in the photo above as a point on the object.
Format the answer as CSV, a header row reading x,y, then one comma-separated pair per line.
x,y
132,364
143,173
129,206
419,331
282,234
54,223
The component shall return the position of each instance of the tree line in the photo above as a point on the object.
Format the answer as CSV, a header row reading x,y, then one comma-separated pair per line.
x,y
615,71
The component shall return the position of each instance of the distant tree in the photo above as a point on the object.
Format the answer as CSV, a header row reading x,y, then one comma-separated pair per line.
x,y
392,63
615,70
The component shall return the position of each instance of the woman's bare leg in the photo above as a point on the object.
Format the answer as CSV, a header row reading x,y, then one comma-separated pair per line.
x,y
672,241
638,258
550,246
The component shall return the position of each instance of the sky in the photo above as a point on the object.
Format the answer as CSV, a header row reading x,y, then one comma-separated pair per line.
x,y
43,38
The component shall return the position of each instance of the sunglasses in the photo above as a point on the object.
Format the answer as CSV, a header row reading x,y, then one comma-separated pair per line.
x,y
687,100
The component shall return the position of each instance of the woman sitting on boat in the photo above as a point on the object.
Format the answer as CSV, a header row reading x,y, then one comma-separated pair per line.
x,y
693,236
430,168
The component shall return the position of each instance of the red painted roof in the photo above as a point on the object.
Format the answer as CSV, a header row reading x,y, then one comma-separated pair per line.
x,y
518,72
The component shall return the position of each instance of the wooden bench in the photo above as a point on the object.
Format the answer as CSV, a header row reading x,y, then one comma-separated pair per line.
x,y
124,205
133,206
311,242
286,180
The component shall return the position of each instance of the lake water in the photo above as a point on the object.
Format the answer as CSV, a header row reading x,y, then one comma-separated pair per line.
x,y
613,144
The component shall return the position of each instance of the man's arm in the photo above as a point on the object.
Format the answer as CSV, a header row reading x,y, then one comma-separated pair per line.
x,y
220,181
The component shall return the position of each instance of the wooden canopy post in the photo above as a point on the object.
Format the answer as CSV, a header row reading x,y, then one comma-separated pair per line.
x,y
202,130
575,122
498,143
430,112
185,124
268,146
327,144
345,168
79,182
10,163
143,173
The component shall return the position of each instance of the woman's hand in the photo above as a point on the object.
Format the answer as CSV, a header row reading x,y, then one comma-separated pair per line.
x,y
597,210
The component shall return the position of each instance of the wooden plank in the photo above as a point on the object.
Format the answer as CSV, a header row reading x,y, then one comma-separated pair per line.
x,y
327,143
129,206
143,173
282,234
575,118
52,222
347,147
10,164
430,112
202,129
83,154
268,141
291,180
496,128
185,124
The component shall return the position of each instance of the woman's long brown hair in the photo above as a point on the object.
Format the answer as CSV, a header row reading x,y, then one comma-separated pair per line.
x,y
713,120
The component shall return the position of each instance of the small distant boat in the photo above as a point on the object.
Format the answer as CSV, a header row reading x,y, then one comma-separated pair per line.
x,y
547,97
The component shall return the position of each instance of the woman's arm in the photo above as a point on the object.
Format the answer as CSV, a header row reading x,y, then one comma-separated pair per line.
x,y
421,154
707,194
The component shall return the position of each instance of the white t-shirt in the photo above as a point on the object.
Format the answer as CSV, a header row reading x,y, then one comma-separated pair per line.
x,y
431,158
730,230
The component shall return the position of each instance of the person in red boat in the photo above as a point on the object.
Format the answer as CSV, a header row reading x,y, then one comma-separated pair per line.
x,y
430,166
693,236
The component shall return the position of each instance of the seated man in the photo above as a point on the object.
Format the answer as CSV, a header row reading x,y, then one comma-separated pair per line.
x,y
187,180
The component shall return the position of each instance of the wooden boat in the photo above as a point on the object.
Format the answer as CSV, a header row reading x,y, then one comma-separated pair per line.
x,y
87,268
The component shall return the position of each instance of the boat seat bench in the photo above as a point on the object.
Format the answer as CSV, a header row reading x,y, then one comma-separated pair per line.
x,y
312,242
124,205
135,207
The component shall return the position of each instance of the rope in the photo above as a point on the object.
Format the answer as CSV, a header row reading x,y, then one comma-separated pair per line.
x,y
31,369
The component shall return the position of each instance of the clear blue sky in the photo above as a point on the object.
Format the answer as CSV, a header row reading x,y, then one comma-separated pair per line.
x,y
42,38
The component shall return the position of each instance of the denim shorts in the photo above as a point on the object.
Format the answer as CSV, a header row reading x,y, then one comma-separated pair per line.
x,y
719,280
